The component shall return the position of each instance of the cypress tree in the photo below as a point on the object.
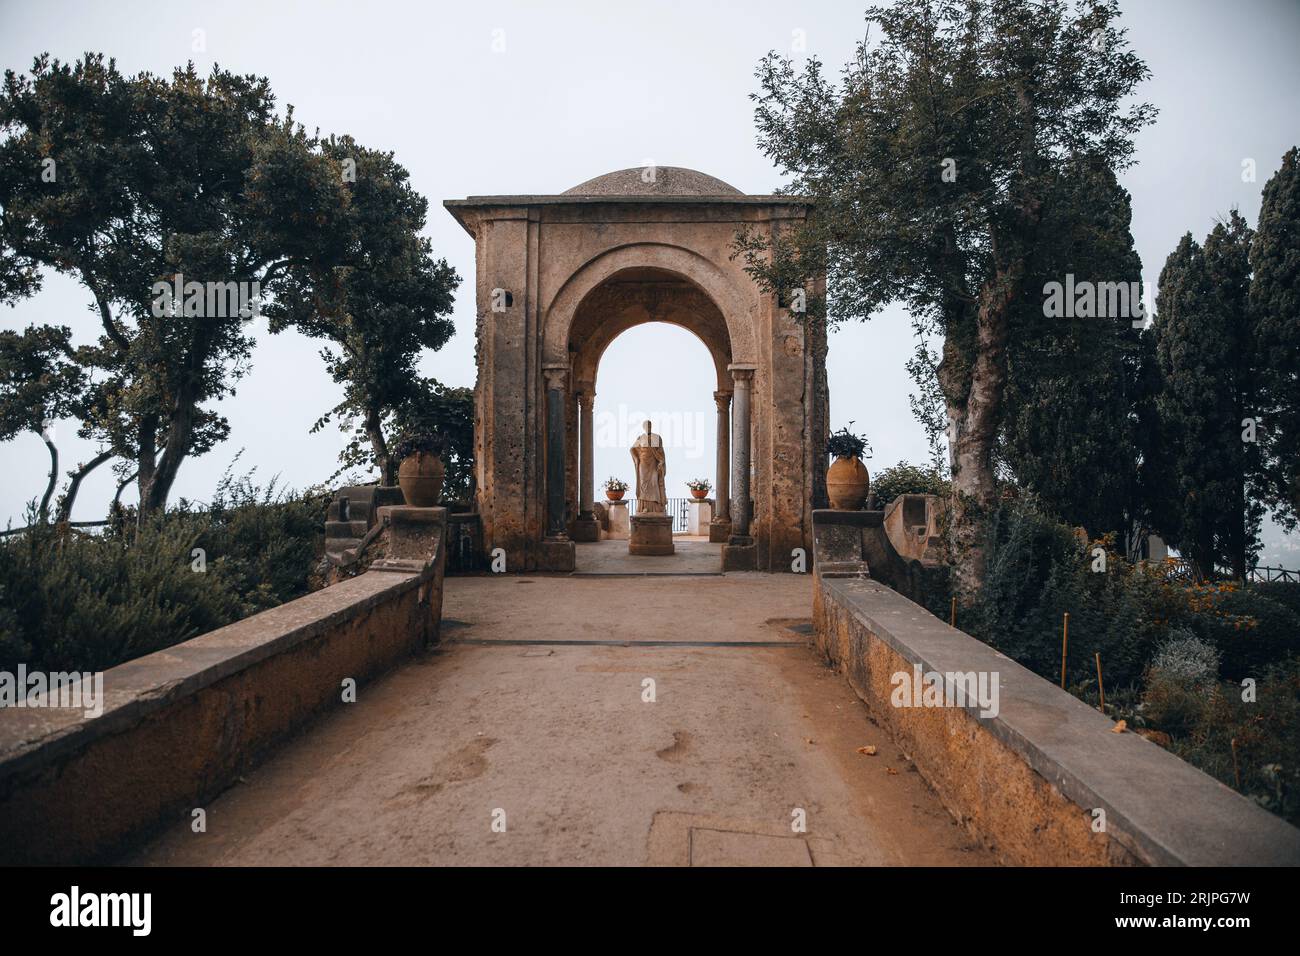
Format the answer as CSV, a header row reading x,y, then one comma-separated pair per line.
x,y
1205,345
1275,303
1070,432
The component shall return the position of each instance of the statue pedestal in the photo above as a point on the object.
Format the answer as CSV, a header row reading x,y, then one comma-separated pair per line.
x,y
651,535
699,514
618,523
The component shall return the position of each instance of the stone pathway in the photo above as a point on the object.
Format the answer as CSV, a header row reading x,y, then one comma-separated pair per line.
x,y
695,555
532,713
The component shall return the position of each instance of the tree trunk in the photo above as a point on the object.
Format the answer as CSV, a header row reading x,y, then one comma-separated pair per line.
x,y
1239,532
974,406
374,429
43,513
146,460
180,432
180,427
121,486
70,496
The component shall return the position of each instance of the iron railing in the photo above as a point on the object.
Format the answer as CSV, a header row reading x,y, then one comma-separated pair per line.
x,y
1274,574
678,510
1180,569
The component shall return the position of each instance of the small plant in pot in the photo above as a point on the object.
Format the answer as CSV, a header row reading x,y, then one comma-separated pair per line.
x,y
614,488
700,487
847,480
421,471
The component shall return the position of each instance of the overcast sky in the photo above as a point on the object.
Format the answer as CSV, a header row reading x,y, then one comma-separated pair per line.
x,y
482,98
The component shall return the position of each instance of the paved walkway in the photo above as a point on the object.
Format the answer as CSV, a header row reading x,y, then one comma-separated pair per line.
x,y
694,555
532,711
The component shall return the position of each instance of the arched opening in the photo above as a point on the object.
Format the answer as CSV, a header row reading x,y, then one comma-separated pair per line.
x,y
649,344
660,373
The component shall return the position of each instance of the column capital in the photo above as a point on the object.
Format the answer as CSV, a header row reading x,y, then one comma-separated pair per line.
x,y
722,398
585,392
742,372
556,375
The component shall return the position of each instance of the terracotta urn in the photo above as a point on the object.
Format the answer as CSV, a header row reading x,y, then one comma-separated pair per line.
x,y
699,493
847,483
420,477
613,495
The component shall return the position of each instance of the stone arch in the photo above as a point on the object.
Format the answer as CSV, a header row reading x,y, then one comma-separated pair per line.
x,y
736,311
638,296
537,355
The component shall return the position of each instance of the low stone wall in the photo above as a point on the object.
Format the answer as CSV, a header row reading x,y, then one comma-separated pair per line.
x,y
1028,780
181,725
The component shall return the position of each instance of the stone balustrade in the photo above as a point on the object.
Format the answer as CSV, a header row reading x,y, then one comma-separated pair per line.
x,y
182,724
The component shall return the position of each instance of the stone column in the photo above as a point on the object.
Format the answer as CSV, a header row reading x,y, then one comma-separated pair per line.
x,y
720,525
743,376
723,491
556,496
586,528
587,466
557,552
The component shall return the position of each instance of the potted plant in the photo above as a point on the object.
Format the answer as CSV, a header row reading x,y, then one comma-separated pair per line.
x,y
700,487
421,471
614,488
847,480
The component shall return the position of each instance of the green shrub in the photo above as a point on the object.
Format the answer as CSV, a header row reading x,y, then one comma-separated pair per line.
x,y
1173,654
265,543
1283,592
87,602
76,601
1179,683
1250,629
1266,767
1038,571
905,479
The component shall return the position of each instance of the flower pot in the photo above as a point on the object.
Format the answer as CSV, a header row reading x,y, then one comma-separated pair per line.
x,y
420,477
699,493
614,495
847,483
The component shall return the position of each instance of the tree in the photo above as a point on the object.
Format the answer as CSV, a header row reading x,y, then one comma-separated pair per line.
x,y
448,414
1275,304
1070,429
39,383
933,166
906,479
129,183
1209,383
380,299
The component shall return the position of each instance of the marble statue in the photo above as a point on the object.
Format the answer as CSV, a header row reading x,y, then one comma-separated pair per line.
x,y
648,457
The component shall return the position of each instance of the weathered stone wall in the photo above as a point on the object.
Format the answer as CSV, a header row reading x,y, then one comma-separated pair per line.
x,y
551,253
1028,780
181,725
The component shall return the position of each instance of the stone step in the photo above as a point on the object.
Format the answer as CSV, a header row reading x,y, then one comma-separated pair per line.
x,y
346,529
364,501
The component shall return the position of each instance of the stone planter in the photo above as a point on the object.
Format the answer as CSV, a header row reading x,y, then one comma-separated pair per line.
x,y
847,483
613,495
421,476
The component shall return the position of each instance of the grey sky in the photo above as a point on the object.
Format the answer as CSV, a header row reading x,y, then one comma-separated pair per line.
x,y
585,88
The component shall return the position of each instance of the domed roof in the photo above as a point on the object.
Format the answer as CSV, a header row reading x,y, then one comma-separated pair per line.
x,y
654,181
